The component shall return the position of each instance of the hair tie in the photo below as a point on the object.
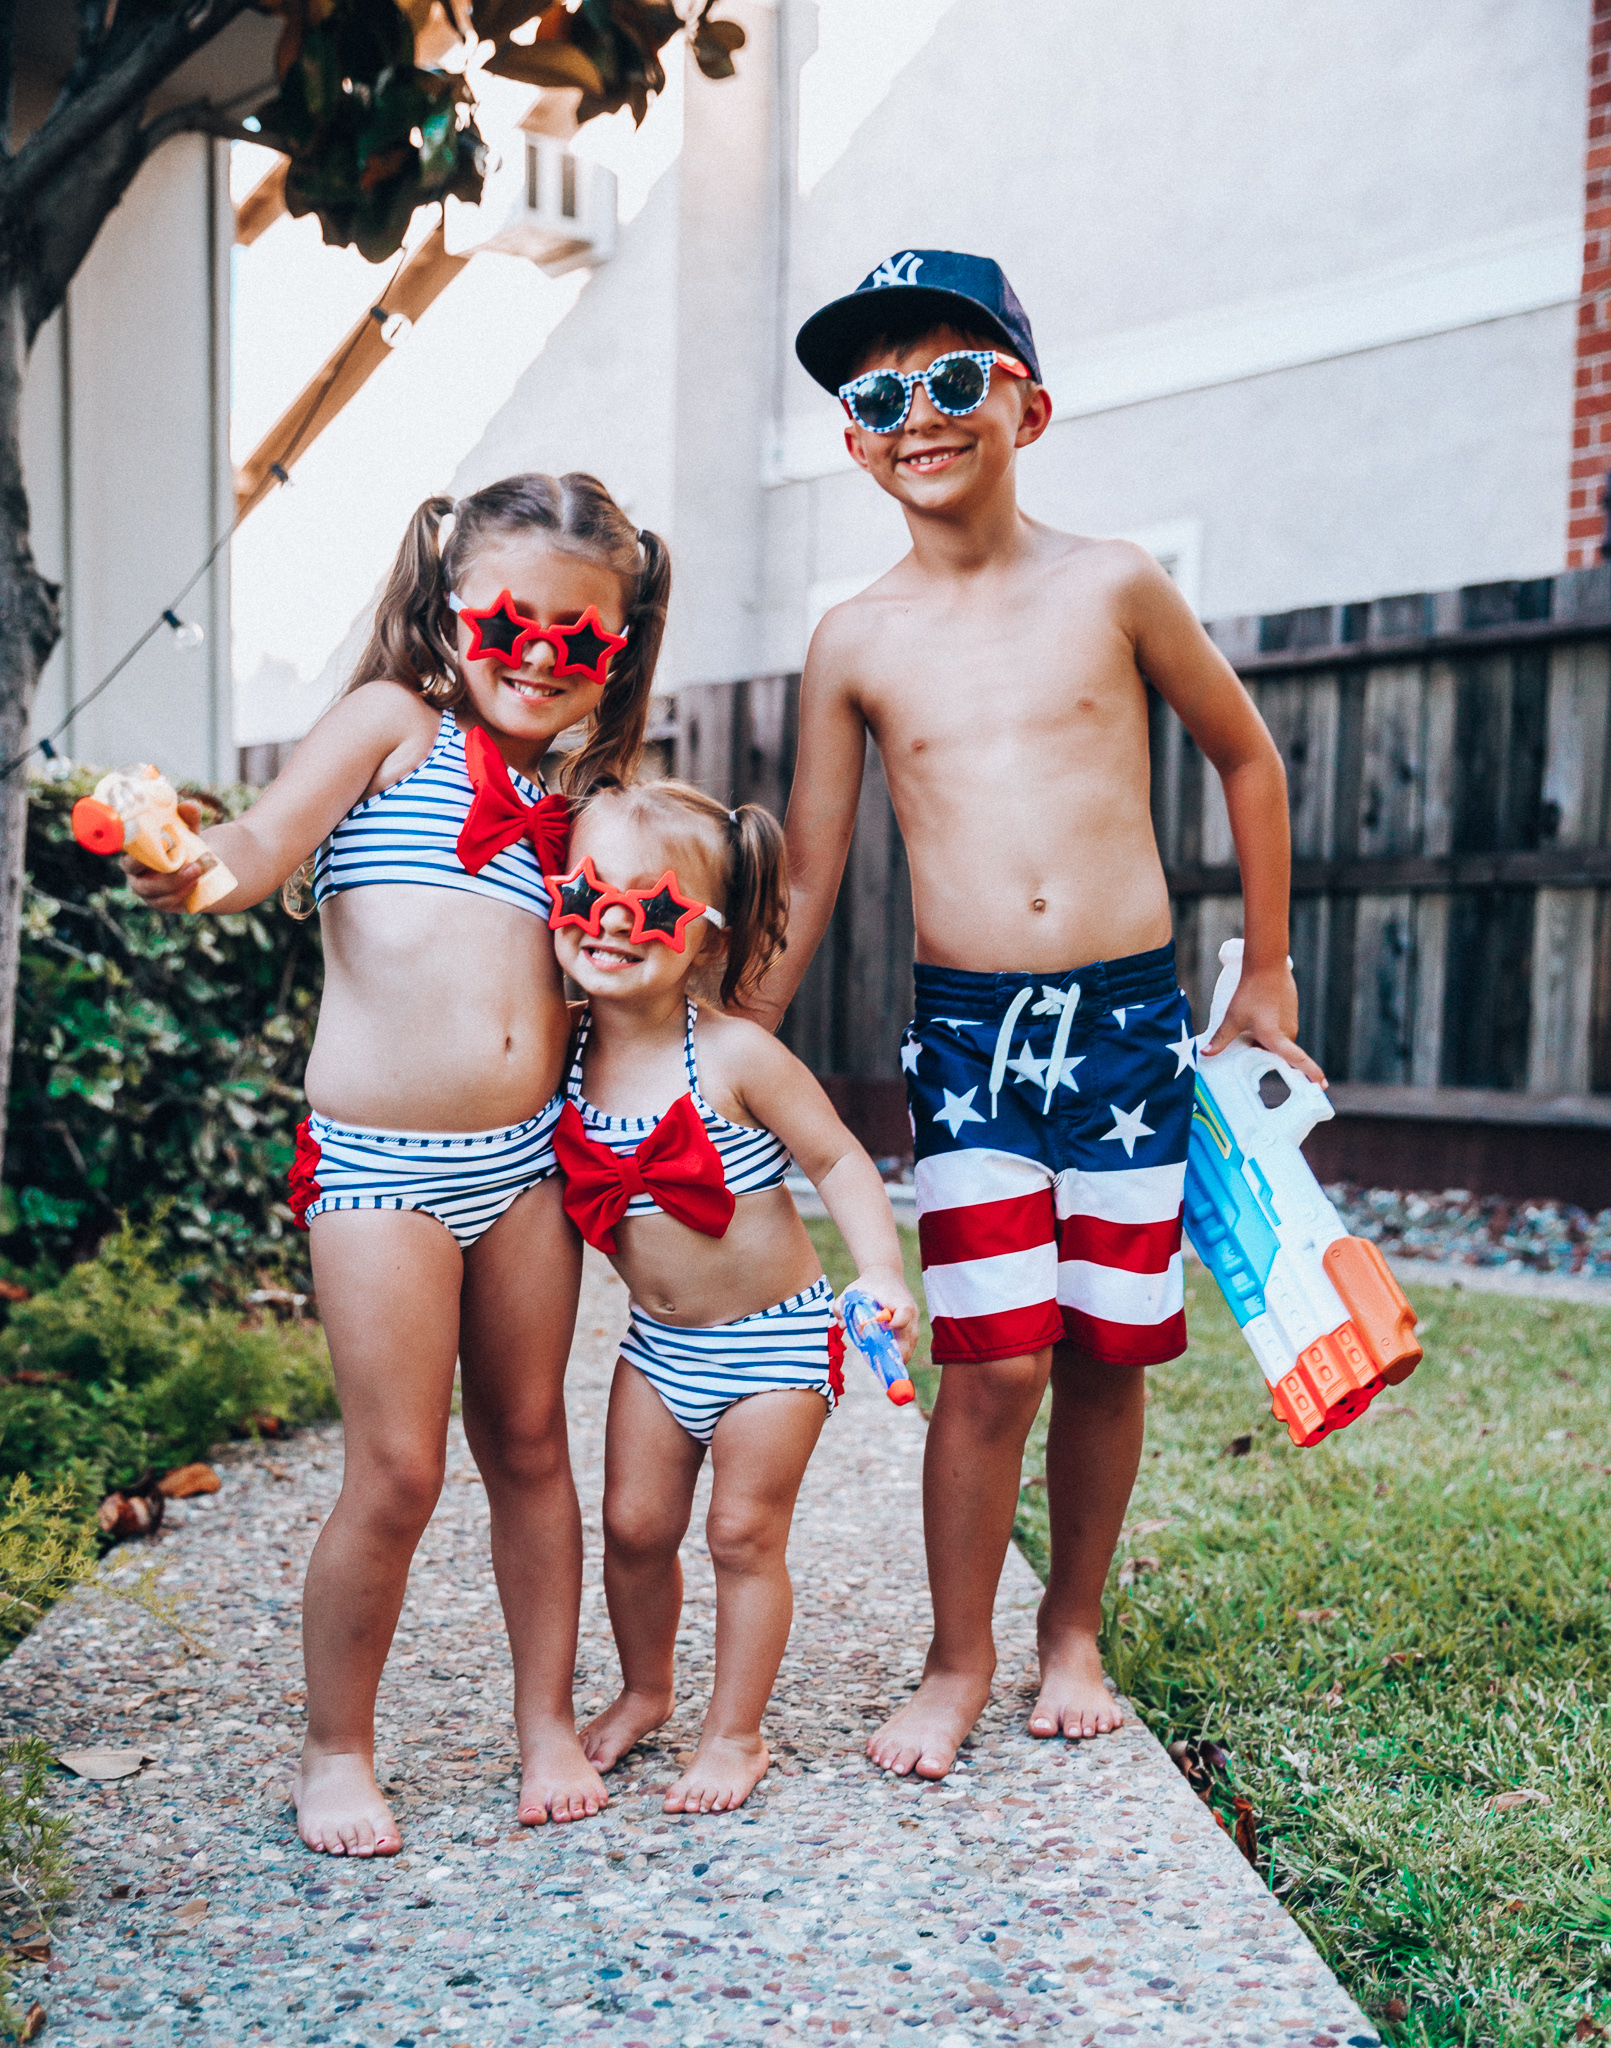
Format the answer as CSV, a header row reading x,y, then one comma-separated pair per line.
x,y
643,536
732,817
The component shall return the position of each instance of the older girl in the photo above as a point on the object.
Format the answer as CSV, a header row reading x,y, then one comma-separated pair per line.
x,y
674,1140
426,1169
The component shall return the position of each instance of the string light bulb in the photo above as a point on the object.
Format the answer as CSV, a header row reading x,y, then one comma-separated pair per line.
x,y
395,328
186,633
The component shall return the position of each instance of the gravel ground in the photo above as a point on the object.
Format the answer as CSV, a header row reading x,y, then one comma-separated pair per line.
x,y
1045,1893
1490,1232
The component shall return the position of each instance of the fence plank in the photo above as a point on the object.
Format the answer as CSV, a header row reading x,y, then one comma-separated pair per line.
x,y
1392,769
1383,981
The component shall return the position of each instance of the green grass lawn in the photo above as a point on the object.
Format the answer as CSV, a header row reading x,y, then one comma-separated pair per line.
x,y
1386,1632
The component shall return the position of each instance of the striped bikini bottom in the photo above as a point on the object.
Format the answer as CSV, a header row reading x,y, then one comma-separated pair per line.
x,y
465,1182
700,1373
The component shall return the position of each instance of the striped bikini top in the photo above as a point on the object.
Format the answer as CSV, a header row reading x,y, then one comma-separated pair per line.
x,y
409,833
752,1158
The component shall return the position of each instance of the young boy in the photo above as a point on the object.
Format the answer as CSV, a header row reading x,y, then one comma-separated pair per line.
x,y
1001,668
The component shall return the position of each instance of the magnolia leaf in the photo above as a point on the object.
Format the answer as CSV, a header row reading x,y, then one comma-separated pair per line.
x,y
548,64
104,1766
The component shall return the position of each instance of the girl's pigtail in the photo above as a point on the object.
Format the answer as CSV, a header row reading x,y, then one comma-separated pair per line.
x,y
609,756
757,908
412,639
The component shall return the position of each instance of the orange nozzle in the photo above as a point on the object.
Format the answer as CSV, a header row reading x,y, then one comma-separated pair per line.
x,y
1376,1306
97,827
902,1391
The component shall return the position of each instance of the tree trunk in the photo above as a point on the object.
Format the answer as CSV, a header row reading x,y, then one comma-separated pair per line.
x,y
29,627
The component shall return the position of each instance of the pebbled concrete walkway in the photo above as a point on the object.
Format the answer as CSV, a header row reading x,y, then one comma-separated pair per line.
x,y
1044,1894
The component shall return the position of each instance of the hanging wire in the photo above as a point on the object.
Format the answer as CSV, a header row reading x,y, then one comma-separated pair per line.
x,y
281,472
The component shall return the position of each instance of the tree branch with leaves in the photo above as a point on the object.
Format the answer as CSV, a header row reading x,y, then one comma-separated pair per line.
x,y
374,124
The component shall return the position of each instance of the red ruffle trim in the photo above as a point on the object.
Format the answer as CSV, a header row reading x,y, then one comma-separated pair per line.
x,y
302,1186
836,1361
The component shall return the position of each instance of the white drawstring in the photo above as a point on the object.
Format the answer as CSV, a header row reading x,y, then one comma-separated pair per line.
x,y
998,1066
1068,1003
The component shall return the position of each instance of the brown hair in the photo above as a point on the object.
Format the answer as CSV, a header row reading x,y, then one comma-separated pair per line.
x,y
747,847
414,640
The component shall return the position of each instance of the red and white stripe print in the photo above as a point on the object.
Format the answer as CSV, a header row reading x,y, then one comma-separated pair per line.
x,y
1015,1258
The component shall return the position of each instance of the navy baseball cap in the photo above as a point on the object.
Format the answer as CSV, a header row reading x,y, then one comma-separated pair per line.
x,y
970,292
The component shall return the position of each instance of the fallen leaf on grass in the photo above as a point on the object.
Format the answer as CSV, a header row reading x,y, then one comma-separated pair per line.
x,y
1312,1614
1588,2028
102,1765
1504,1802
1334,1698
1395,1659
1247,1836
1133,1568
191,1911
1396,2009
185,1480
1147,1528
33,2023
1238,1447
1036,1481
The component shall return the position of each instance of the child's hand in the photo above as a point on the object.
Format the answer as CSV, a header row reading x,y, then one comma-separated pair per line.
x,y
889,1289
1265,1006
166,892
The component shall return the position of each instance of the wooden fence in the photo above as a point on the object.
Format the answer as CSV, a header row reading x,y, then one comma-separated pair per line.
x,y
1449,766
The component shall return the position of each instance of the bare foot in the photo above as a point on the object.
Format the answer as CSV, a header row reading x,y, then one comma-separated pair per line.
x,y
1074,1700
339,1810
726,1769
925,1735
557,1782
626,1720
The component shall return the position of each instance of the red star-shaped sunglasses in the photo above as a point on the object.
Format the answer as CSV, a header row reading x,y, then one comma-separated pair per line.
x,y
662,912
502,632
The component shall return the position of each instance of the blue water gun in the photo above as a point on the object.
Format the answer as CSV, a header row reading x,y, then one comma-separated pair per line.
x,y
1321,1312
866,1329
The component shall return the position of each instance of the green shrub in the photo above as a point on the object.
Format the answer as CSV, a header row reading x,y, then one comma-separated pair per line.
x,y
33,1859
112,1373
159,1059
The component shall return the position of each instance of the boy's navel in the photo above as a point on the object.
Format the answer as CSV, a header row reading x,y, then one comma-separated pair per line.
x,y
1039,903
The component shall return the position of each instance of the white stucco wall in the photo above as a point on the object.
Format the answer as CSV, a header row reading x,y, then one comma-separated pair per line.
x,y
1183,191
126,458
1303,276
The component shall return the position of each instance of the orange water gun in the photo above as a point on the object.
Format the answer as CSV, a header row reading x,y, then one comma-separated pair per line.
x,y
136,811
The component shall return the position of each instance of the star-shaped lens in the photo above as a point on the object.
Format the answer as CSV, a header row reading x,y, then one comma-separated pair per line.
x,y
499,632
586,648
576,897
665,913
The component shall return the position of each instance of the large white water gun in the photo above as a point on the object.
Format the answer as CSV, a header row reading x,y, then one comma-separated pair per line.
x,y
136,811
1326,1320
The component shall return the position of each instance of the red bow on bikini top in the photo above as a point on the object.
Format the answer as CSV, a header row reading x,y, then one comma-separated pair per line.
x,y
497,818
676,1166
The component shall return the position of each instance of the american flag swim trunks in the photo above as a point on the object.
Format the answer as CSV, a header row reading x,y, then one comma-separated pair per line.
x,y
1050,1116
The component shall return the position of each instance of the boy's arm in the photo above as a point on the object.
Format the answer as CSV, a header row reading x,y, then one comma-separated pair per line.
x,y
784,1096
821,816
1189,672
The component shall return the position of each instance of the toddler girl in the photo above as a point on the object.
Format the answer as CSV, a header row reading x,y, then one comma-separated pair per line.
x,y
674,1139
426,1171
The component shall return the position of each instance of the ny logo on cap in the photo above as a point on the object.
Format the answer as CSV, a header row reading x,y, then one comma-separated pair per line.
x,y
898,269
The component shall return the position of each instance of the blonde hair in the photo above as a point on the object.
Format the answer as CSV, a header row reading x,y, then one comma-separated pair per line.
x,y
747,848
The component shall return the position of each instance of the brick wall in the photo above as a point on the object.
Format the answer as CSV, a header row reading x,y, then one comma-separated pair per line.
x,y
1591,417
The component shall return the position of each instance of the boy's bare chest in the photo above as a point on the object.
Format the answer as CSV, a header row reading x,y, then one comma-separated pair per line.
x,y
1023,684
